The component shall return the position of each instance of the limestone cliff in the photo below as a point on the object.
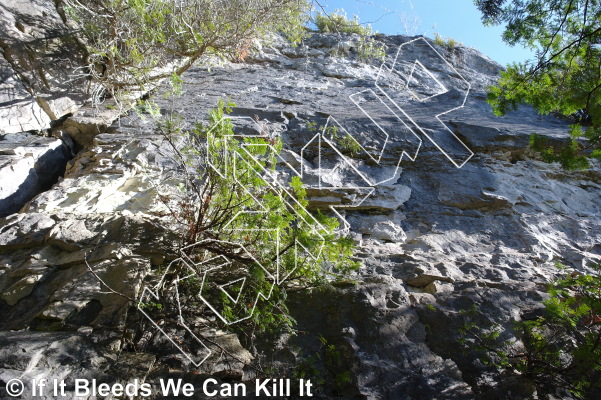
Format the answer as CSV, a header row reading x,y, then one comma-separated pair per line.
x,y
458,216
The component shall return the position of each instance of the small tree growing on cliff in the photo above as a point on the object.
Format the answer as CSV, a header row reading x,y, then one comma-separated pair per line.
x,y
132,43
561,348
230,208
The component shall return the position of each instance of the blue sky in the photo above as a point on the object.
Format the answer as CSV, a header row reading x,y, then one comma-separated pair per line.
x,y
458,19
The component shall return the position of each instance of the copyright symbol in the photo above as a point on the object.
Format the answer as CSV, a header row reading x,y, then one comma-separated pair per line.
x,y
14,387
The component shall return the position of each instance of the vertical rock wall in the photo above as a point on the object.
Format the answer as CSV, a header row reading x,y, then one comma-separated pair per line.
x,y
433,240
39,68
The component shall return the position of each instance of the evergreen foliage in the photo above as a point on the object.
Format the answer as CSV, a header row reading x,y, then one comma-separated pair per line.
x,y
228,200
561,348
132,43
565,77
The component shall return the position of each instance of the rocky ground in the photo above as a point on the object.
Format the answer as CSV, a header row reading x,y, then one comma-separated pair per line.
x,y
433,239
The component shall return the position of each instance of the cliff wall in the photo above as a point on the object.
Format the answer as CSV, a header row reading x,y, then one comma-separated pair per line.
x,y
460,213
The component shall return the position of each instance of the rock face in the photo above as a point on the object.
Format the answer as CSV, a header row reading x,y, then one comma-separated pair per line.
x,y
433,238
40,84
44,91
39,68
29,165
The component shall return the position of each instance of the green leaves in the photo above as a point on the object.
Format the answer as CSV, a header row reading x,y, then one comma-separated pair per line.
x,y
561,348
232,206
565,78
568,155
337,22
134,43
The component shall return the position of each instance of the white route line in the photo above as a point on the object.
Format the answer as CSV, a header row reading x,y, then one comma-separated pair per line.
x,y
230,161
437,116
232,158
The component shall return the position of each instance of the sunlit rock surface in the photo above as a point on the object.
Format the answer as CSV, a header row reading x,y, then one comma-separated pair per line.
x,y
433,238
40,66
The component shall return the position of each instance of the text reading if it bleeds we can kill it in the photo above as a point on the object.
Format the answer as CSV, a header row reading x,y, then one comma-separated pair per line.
x,y
276,388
